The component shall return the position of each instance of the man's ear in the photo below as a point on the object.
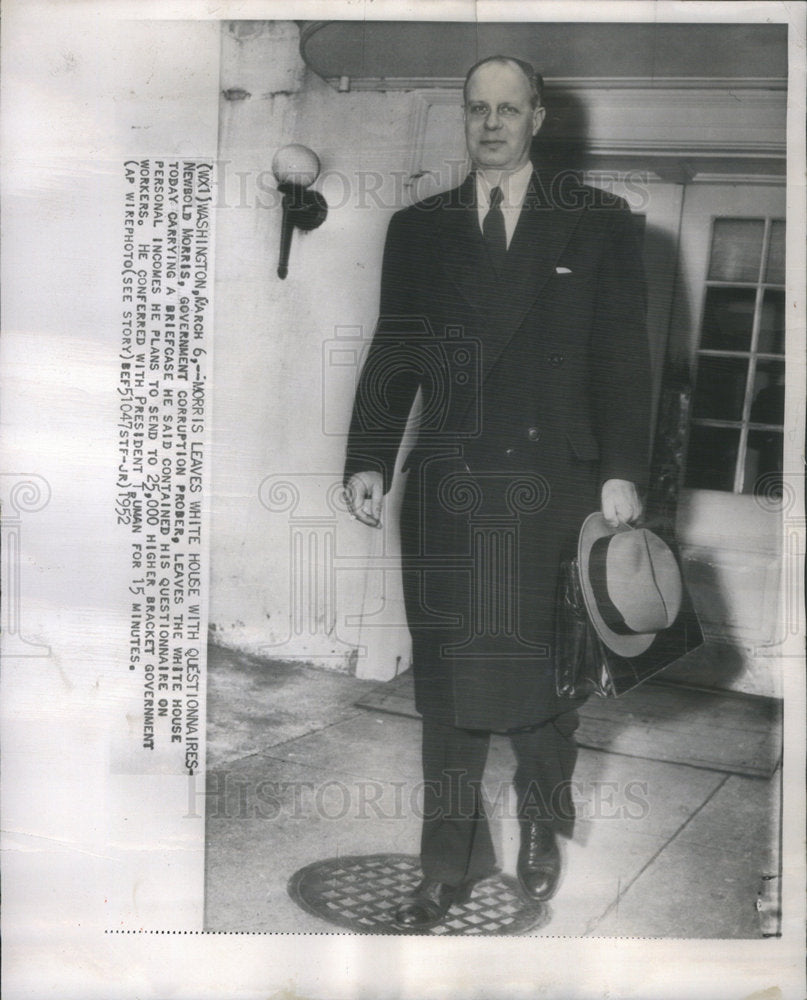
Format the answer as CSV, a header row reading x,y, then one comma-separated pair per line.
x,y
538,116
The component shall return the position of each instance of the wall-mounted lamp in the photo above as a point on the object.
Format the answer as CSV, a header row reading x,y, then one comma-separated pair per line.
x,y
296,168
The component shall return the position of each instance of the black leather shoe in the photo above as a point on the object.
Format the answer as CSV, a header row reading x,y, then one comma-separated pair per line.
x,y
429,904
538,860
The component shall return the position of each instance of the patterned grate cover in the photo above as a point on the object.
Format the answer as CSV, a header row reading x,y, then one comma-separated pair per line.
x,y
362,892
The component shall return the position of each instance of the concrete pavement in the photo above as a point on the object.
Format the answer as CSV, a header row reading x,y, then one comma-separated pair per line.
x,y
298,773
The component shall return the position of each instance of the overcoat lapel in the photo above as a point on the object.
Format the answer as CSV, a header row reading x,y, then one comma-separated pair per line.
x,y
542,232
461,249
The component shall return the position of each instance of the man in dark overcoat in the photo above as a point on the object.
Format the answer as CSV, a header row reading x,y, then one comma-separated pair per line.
x,y
512,340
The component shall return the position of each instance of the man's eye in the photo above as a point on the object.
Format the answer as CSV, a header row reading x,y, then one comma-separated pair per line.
x,y
479,109
508,111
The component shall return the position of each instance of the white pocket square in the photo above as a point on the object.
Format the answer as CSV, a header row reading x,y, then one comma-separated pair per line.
x,y
562,270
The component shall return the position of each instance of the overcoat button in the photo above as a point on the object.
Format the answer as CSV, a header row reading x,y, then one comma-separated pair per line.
x,y
509,451
556,360
533,433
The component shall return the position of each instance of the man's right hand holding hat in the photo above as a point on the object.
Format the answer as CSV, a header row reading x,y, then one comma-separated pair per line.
x,y
620,502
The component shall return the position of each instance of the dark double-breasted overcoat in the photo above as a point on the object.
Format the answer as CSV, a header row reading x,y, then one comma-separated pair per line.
x,y
530,388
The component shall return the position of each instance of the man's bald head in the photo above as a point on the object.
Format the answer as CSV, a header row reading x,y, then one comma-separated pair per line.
x,y
534,79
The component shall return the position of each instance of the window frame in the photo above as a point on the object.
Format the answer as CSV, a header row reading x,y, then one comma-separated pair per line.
x,y
752,355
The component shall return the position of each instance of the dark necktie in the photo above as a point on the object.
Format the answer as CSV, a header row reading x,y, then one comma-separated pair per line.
x,y
493,230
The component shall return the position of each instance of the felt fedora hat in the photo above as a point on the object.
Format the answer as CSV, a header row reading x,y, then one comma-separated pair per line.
x,y
631,584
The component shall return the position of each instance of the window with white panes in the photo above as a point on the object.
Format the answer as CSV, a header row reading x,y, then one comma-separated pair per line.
x,y
737,416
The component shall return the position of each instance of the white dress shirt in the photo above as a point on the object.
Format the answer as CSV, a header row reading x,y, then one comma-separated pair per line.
x,y
514,190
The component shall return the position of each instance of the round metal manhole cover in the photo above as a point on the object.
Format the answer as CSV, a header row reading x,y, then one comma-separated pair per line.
x,y
362,893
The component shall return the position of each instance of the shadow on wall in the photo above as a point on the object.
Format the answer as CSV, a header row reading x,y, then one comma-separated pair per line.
x,y
562,143
562,147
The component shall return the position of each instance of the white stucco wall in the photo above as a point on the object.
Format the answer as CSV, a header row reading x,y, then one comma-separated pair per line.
x,y
280,407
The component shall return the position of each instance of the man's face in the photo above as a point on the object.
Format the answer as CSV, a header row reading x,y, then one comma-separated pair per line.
x,y
499,120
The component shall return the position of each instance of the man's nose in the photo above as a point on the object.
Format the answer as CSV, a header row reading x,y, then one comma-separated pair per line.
x,y
493,121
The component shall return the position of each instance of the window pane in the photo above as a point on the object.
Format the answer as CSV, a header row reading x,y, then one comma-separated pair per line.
x,y
768,399
775,271
736,249
720,388
712,457
763,464
772,323
728,317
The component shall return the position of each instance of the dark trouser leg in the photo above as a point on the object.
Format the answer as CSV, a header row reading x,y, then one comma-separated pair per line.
x,y
455,842
546,756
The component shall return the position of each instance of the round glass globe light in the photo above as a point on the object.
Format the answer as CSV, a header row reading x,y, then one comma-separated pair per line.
x,y
296,164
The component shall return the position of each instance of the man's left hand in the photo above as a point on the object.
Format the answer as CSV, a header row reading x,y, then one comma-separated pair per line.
x,y
620,502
